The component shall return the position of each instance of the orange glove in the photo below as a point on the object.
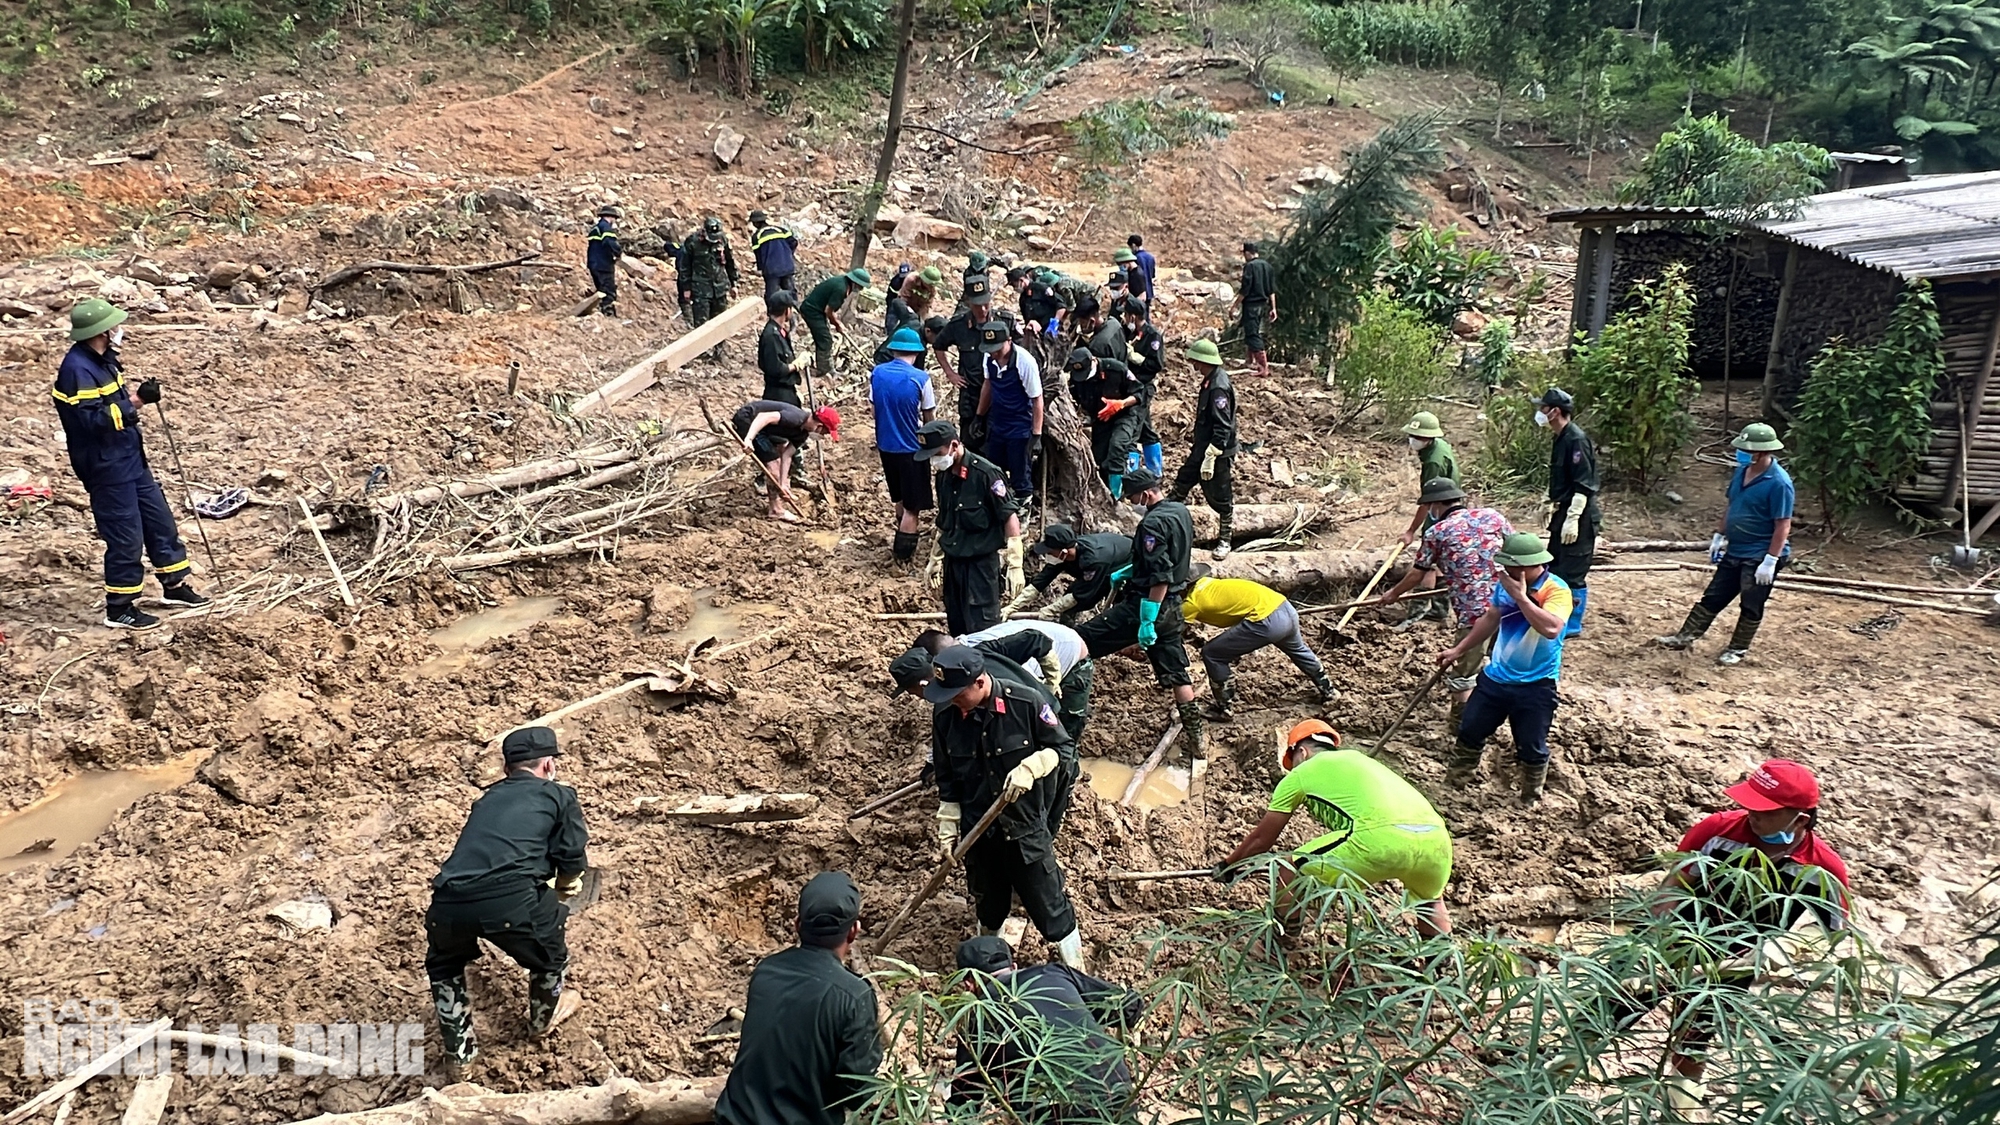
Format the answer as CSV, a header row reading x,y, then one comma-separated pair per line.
x,y
1110,410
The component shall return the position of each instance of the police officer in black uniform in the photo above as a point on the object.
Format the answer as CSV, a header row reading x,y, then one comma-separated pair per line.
x,y
996,738
1088,560
1211,455
519,859
1108,396
976,522
1145,353
1148,614
1574,516
776,359
968,374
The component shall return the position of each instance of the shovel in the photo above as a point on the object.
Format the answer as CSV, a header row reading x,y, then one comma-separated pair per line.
x,y
1964,557
1338,637
1416,697
587,895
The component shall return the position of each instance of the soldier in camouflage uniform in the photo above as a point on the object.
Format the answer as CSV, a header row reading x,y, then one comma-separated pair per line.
x,y
708,269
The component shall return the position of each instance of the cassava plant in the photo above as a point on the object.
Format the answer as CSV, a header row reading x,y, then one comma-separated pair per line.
x,y
1633,382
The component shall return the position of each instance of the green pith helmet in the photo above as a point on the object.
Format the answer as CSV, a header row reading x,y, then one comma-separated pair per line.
x,y
858,276
931,275
94,318
1523,548
1205,351
1424,424
1122,255
1758,438
977,261
1440,490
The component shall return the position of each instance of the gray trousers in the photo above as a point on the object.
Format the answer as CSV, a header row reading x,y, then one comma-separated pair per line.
x,y
1246,637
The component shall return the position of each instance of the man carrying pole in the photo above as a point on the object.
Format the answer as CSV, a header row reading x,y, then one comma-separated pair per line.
x,y
1459,544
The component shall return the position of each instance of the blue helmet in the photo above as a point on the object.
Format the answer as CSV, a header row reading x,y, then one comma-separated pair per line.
x,y
907,341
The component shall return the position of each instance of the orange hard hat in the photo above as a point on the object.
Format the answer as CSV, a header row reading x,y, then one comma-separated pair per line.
x,y
1308,728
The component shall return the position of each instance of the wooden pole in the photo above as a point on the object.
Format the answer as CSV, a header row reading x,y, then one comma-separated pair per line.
x,y
85,1073
1968,413
1600,309
1728,335
1579,300
1151,876
1152,763
1370,588
937,878
885,160
1772,357
1415,595
1416,697
339,579
884,801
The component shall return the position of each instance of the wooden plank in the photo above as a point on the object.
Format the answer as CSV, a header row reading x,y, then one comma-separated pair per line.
x,y
674,356
1600,301
149,1100
748,808
85,1073
1771,359
1963,424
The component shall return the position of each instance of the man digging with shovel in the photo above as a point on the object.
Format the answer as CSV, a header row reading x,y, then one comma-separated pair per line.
x,y
773,432
1459,541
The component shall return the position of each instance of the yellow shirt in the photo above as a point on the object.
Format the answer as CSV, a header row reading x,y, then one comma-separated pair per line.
x,y
1223,602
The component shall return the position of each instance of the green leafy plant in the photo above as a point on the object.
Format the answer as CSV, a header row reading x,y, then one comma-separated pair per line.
x,y
1700,162
1863,420
1113,133
1390,360
1512,459
1634,382
832,27
1496,354
1431,273
1409,34
1965,1077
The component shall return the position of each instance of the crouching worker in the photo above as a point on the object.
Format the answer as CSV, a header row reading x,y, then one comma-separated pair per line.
x,y
773,432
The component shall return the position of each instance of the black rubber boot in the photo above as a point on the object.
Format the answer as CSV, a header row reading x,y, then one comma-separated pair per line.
x,y
904,546
1323,684
1464,763
544,994
1220,696
1222,544
454,1013
1194,732
1533,779
1745,632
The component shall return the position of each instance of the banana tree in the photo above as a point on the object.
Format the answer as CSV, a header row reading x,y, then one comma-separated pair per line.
x,y
736,25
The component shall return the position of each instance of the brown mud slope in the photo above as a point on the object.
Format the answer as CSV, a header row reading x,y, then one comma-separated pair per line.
x,y
342,748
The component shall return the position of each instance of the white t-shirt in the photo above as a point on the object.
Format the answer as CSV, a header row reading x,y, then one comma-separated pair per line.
x,y
1065,642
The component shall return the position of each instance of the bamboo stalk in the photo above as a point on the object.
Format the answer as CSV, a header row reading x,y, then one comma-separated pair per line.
x,y
1152,763
937,878
1151,876
339,579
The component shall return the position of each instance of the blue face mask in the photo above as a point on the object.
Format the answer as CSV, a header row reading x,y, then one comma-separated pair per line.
x,y
1778,837
1743,457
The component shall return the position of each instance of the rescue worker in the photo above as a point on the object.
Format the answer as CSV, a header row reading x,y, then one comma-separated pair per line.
x,y
776,250
1107,395
1104,336
1149,612
1750,546
1049,1009
909,309
962,332
978,268
773,432
1251,616
977,525
1518,684
1378,826
672,247
1053,652
1088,560
101,428
1041,310
821,310
809,1042
995,738
709,267
776,359
518,861
1459,543
1137,285
1115,295
1146,354
1574,515
1257,297
1148,264
1211,459
602,259
1011,402
922,289
1435,461
902,400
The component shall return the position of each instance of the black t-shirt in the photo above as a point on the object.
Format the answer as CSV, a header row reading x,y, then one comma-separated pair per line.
x,y
522,831
1260,281
791,423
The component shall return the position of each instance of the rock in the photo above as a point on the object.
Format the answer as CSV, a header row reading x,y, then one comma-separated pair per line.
x,y
20,310
148,272
1317,177
1040,242
1033,215
887,216
256,275
915,229
1468,324
728,145
237,777
496,198
620,131
272,478
669,608
382,230
300,917
222,275
122,291
1222,298
1675,497
242,293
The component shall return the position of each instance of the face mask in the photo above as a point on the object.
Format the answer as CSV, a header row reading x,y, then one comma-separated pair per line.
x,y
1416,443
1541,418
117,335
941,462
1743,457
1784,837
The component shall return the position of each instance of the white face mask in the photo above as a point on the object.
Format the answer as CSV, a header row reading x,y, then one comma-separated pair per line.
x,y
941,462
1541,417
117,335
1416,443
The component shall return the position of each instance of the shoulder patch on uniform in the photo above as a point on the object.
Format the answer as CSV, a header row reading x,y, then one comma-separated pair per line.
x,y
999,487
1087,575
1149,541
1576,455
1048,714
1222,402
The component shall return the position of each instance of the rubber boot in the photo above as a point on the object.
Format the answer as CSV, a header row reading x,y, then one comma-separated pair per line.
x,y
1156,459
1222,544
454,1013
1533,779
1133,460
1323,684
1464,763
904,546
1739,642
1070,949
545,993
1575,624
1698,620
1220,695
1194,732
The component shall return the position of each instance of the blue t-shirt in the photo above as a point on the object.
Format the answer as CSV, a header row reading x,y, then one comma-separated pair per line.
x,y
1520,654
898,392
1756,508
1015,385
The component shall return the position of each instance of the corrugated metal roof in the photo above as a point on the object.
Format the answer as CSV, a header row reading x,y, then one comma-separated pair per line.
x,y
1936,227
1624,213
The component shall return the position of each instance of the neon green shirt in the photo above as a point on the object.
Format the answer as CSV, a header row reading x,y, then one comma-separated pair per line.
x,y
1348,792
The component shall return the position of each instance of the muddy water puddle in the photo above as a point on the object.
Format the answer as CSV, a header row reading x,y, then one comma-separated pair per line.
x,y
462,638
724,623
76,810
1164,787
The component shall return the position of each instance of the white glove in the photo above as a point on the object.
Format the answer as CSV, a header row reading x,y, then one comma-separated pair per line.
x,y
568,886
1057,608
1133,356
1573,523
1017,576
1019,603
934,568
1717,547
801,363
1051,671
1022,778
1208,463
947,827
1767,571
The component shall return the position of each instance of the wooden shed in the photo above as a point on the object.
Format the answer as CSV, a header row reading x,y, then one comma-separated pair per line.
x,y
1771,294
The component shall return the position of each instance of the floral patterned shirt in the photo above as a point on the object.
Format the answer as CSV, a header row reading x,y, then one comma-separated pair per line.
x,y
1462,545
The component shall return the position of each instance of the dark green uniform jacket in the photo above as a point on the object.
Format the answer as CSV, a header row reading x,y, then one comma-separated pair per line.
x,y
1161,546
808,1035
975,752
973,503
1215,414
1097,555
774,359
523,831
1573,469
1437,460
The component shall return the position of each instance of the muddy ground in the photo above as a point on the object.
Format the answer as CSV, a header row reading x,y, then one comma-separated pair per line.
x,y
348,744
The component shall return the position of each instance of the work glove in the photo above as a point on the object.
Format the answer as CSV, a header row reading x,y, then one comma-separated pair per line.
x,y
1019,603
801,363
1208,463
569,886
1149,617
1017,577
149,391
934,567
947,828
1051,670
1767,571
1132,355
1717,547
1058,607
1573,523
1110,410
1022,778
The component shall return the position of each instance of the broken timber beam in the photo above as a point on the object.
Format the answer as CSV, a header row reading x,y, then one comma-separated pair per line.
x,y
750,808
1291,571
678,354
620,1101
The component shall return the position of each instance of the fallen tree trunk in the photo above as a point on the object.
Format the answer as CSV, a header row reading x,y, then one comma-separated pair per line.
x,y
591,541
619,1101
348,273
1289,572
1255,521
747,809
531,472
676,355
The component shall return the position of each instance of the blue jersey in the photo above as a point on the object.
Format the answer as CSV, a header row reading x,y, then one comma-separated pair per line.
x,y
900,394
1520,654
1756,508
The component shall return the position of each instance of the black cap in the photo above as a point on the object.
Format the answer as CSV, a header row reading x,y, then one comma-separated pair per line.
x,y
759,217
1079,360
1055,537
978,291
712,227
936,324
779,302
610,211
1439,489
989,954
1249,247
1558,398
1017,273
952,671
1139,480
1087,305
910,671
992,335
527,744
933,436
1117,279
828,906
1135,306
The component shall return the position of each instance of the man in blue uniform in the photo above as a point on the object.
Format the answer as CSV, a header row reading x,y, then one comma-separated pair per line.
x,y
1010,399
903,400
776,250
101,423
1750,546
1148,264
602,259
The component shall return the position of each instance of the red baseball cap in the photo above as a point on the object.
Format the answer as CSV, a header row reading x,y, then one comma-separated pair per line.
x,y
1777,784
830,418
